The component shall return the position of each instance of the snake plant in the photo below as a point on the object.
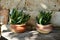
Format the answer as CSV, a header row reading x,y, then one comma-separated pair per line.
x,y
44,17
18,17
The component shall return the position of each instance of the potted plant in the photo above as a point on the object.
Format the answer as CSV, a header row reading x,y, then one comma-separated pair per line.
x,y
43,22
18,21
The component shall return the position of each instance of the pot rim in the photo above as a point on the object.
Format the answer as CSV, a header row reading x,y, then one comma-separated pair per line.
x,y
41,24
17,24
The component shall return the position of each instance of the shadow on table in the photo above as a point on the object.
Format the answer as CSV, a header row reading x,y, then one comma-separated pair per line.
x,y
2,38
54,35
21,36
34,35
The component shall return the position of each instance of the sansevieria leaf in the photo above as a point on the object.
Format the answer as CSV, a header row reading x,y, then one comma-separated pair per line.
x,y
44,17
18,17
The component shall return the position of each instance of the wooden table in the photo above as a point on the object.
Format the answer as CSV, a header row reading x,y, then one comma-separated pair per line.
x,y
32,35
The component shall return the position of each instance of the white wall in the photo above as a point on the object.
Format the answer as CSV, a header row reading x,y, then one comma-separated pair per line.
x,y
56,19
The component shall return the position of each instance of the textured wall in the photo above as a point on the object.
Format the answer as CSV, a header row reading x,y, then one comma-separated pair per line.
x,y
12,3
56,18
4,13
43,4
33,6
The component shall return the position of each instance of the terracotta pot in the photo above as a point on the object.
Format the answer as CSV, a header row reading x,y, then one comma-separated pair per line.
x,y
44,28
18,28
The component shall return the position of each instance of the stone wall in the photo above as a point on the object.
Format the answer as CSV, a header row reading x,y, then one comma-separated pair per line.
x,y
4,13
33,6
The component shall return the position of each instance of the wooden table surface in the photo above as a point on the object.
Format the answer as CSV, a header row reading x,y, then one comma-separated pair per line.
x,y
32,35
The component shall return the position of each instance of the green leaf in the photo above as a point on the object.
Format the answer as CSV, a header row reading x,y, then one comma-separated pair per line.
x,y
18,17
26,18
44,17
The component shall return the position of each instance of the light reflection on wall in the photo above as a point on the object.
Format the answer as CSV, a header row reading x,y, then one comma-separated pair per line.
x,y
43,6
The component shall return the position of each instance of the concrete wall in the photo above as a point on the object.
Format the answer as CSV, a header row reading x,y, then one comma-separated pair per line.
x,y
33,6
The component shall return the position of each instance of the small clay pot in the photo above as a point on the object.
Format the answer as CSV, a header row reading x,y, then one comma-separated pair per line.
x,y
44,28
18,28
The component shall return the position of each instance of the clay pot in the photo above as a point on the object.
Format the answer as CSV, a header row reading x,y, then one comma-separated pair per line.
x,y
18,28
44,28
